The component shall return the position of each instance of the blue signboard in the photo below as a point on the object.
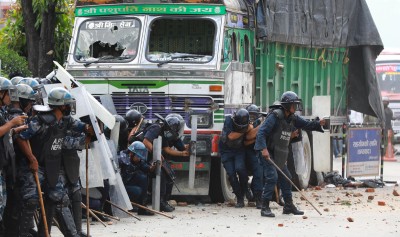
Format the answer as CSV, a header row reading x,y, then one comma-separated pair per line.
x,y
363,149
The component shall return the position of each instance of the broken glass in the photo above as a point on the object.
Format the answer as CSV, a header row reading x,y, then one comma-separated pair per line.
x,y
107,40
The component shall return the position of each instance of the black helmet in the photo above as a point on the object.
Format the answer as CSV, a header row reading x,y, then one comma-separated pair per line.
x,y
288,98
174,128
254,112
123,124
241,119
133,117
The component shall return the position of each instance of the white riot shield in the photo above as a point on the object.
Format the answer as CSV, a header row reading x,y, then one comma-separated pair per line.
x,y
95,173
87,105
117,195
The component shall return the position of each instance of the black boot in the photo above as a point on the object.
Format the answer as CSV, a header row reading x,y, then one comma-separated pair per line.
x,y
240,202
265,210
164,206
258,198
290,208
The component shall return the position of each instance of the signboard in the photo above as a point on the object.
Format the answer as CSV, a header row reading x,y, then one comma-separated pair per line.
x,y
174,9
363,149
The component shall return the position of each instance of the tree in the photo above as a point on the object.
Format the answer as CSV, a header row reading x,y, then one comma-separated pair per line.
x,y
39,30
12,63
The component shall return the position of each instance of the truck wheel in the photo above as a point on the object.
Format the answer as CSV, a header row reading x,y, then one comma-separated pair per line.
x,y
301,180
226,187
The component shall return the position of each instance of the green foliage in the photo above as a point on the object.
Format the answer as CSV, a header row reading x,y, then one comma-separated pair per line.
x,y
11,62
13,34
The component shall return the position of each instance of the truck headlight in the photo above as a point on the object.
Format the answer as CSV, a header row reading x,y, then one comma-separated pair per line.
x,y
204,120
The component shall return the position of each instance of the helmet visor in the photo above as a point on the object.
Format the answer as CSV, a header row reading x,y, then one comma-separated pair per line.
x,y
13,94
41,91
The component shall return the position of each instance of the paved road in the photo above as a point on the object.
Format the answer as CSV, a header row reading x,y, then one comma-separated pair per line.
x,y
338,207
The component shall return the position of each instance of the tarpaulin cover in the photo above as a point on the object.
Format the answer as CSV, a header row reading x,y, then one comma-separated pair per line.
x,y
328,24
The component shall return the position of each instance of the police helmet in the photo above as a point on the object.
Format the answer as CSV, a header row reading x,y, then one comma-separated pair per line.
x,y
181,122
139,149
35,85
60,96
241,119
133,117
6,85
123,124
290,98
254,112
16,80
26,92
174,127
45,81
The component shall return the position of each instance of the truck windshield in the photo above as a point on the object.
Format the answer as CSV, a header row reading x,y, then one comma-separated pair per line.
x,y
181,40
389,78
109,40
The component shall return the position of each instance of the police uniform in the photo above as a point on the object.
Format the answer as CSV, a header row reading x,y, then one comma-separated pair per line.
x,y
152,132
275,134
253,165
134,177
233,159
46,136
70,161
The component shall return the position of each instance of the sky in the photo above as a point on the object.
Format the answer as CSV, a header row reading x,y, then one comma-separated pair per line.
x,y
386,14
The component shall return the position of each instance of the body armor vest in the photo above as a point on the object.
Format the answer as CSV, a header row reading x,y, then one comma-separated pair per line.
x,y
279,142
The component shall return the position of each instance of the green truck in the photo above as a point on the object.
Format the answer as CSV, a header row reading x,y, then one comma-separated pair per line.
x,y
210,57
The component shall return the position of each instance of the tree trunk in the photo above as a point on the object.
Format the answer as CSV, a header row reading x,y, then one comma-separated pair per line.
x,y
32,36
46,46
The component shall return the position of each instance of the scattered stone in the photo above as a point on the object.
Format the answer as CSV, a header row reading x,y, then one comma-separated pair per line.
x,y
326,209
302,198
172,203
280,225
349,219
381,203
305,217
182,204
258,233
357,195
215,213
318,188
228,226
395,193
219,204
370,190
371,198
203,209
190,212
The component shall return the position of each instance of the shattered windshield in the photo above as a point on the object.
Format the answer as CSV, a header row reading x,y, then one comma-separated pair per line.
x,y
181,40
107,40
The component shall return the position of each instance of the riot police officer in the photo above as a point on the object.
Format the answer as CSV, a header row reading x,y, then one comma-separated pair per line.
x,y
171,129
46,133
251,157
231,148
135,123
134,172
272,142
8,127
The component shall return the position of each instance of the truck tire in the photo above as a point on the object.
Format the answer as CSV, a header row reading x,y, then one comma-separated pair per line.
x,y
226,187
302,181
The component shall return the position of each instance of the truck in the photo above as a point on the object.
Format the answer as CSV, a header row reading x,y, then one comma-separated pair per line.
x,y
388,74
207,58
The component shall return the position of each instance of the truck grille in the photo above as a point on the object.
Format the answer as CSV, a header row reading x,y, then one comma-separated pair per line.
x,y
163,105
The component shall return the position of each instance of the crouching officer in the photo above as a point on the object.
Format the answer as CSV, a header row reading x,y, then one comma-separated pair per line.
x,y
46,132
251,156
272,142
134,172
231,147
